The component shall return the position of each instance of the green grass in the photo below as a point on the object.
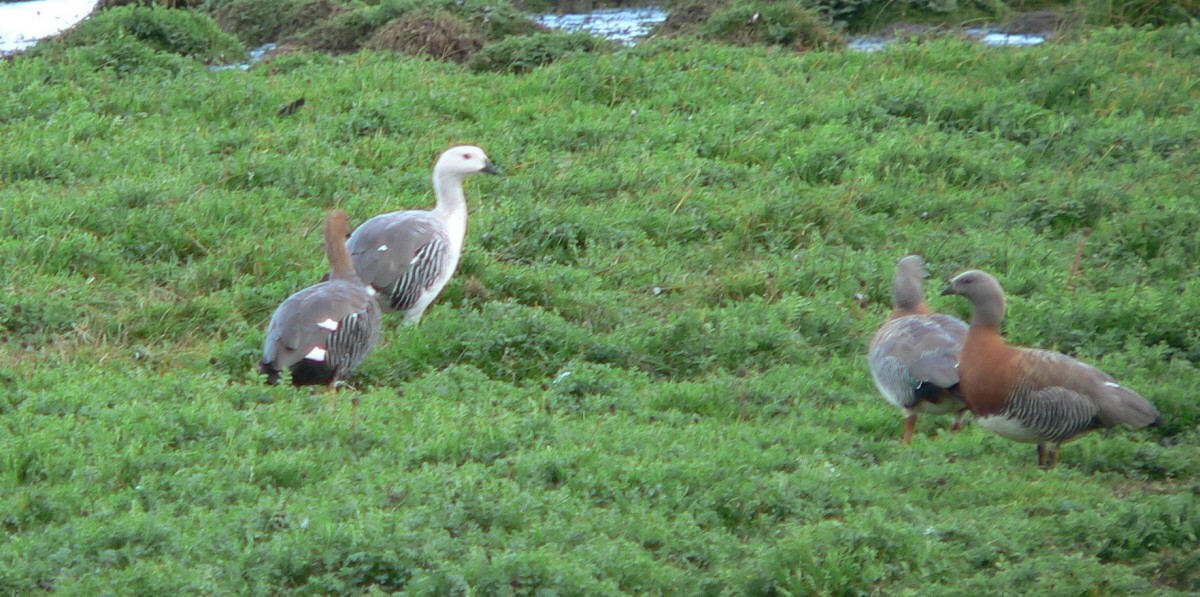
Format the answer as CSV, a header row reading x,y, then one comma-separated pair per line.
x,y
648,376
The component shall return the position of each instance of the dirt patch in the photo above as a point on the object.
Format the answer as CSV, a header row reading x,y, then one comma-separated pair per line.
x,y
437,34
309,15
687,17
257,22
907,31
1043,22
103,4
342,33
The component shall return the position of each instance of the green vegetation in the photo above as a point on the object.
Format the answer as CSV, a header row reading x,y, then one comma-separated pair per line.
x,y
1143,12
872,15
523,53
768,23
345,27
257,22
648,376
501,36
421,33
177,32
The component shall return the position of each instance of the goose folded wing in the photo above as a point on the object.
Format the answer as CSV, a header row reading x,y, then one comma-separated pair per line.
x,y
927,348
305,323
399,255
1114,404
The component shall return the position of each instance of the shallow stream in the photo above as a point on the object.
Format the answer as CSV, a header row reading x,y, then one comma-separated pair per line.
x,y
625,25
22,24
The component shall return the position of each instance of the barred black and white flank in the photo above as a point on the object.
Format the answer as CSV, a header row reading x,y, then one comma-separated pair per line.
x,y
322,333
409,256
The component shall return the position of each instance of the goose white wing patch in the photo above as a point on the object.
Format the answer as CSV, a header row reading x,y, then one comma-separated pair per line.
x,y
328,324
316,354
1112,385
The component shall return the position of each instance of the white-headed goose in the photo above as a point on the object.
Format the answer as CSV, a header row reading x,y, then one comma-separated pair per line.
x,y
914,354
1030,395
408,256
322,333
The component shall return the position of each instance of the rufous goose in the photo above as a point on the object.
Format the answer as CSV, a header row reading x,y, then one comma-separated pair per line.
x,y
914,355
1030,395
408,256
322,333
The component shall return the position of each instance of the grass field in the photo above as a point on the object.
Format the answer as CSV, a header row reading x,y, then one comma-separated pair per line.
x,y
649,373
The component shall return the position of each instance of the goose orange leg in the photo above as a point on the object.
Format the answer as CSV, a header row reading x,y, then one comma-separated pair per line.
x,y
1047,456
910,425
331,390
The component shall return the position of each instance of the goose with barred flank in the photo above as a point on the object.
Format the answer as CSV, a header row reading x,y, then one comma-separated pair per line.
x,y
914,355
409,256
1031,395
322,333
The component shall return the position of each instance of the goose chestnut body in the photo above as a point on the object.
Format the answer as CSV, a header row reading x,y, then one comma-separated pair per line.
x,y
913,356
322,333
1032,395
409,256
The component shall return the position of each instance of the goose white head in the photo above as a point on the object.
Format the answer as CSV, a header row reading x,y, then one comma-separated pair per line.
x,y
458,162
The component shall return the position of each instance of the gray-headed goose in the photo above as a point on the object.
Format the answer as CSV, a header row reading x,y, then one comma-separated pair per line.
x,y
322,333
408,256
1030,395
914,354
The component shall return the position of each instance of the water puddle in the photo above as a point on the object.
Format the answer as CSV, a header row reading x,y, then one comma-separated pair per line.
x,y
991,37
1000,38
628,25
23,24
256,55
868,43
624,25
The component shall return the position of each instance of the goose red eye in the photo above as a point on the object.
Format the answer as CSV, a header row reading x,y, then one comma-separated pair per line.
x,y
466,156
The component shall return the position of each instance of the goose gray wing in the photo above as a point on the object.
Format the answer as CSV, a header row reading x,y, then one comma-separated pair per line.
x,y
321,333
916,356
1048,373
933,348
400,254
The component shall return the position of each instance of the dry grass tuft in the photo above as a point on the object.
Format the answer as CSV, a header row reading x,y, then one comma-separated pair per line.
x,y
438,34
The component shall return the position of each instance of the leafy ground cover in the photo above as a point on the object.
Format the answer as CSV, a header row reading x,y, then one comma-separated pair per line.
x,y
648,376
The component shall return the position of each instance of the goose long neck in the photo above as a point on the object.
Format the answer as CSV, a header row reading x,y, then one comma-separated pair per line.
x,y
451,204
335,248
989,311
908,297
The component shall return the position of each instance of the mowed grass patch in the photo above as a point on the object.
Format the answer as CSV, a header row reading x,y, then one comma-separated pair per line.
x,y
648,375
